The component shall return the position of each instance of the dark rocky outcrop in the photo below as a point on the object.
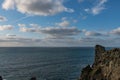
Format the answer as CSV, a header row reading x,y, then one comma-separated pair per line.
x,y
105,67
1,78
33,78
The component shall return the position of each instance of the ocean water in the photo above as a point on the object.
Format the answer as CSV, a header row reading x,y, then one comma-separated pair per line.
x,y
44,63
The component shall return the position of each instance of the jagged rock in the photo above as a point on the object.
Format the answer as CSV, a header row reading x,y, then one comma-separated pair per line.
x,y
105,67
33,78
1,78
85,72
98,53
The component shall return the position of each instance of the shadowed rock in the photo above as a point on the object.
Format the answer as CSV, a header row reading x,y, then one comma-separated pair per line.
x,y
98,53
33,78
1,78
106,65
85,72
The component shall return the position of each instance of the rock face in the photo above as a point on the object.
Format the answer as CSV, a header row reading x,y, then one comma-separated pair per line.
x,y
105,67
33,78
1,78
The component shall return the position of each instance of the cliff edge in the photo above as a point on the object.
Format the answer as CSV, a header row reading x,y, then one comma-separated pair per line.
x,y
105,67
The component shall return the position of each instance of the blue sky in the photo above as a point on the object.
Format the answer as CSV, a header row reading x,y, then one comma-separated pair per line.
x,y
59,23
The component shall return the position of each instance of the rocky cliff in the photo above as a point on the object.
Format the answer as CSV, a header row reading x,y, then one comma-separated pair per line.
x,y
105,67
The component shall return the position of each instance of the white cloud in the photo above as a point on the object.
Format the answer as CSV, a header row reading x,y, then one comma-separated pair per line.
x,y
10,35
60,31
87,10
10,40
36,7
34,25
64,18
91,40
25,29
91,33
2,18
64,23
6,27
14,40
84,41
98,8
52,32
21,25
116,31
8,4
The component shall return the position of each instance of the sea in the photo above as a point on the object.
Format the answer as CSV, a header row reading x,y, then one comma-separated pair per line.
x,y
44,63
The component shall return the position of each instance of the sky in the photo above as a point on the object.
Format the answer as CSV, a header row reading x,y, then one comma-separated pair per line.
x,y
59,23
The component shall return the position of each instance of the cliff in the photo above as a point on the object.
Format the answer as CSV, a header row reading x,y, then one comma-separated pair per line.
x,y
105,67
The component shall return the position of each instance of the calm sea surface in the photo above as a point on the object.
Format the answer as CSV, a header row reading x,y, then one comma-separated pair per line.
x,y
44,63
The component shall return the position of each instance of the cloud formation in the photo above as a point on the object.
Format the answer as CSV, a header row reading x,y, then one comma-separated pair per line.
x,y
2,18
6,27
14,40
91,33
98,8
60,36
64,23
91,41
9,40
36,7
116,31
54,32
21,25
